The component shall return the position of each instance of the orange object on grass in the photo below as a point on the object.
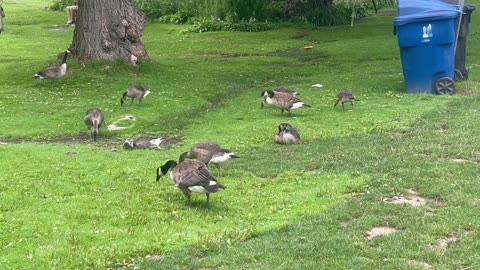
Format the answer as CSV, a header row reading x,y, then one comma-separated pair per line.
x,y
308,47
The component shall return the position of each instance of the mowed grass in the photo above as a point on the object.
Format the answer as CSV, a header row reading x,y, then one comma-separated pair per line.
x,y
94,205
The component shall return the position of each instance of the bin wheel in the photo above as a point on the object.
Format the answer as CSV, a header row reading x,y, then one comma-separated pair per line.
x,y
445,86
459,76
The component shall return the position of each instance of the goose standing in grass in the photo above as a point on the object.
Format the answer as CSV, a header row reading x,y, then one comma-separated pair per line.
x,y
344,97
142,143
133,92
190,176
93,119
287,134
280,90
283,100
209,152
54,72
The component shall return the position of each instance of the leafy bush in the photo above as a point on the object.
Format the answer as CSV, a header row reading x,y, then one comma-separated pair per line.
x,y
154,9
212,26
179,11
178,18
60,5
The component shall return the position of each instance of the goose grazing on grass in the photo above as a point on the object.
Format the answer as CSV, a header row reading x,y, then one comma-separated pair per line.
x,y
280,90
283,100
142,143
208,152
93,120
287,134
191,176
344,97
54,72
133,92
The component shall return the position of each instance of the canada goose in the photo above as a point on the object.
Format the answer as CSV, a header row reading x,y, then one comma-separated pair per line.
x,y
208,152
278,89
287,134
54,72
93,120
190,176
345,96
133,92
142,143
283,100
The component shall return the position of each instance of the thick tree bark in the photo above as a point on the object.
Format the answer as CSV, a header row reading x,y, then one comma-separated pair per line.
x,y
109,30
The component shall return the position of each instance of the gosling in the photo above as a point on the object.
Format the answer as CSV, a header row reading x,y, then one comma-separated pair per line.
x,y
93,119
287,134
344,97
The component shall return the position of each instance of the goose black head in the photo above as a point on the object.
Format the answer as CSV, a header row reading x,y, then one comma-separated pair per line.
x,y
162,170
269,94
284,127
128,143
124,96
182,156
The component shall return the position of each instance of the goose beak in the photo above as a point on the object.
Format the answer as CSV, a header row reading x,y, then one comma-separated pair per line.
x,y
234,156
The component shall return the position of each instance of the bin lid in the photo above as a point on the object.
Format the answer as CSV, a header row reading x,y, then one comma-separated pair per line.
x,y
422,10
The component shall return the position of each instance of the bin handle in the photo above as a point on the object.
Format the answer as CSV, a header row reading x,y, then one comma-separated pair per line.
x,y
425,11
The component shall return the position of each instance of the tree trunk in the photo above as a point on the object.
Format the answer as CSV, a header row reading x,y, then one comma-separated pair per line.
x,y
109,30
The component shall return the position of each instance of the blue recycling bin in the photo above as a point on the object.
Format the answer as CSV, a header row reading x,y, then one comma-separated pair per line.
x,y
426,37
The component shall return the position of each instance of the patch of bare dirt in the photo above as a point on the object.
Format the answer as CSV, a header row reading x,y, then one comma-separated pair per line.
x,y
465,92
379,231
83,138
226,55
460,160
424,265
442,244
412,198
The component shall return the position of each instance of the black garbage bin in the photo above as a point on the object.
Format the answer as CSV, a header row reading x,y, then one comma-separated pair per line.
x,y
461,72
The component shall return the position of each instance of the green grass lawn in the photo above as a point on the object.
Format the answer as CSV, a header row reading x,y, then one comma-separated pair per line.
x,y
68,203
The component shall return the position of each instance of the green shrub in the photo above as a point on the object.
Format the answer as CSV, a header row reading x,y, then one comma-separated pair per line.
x,y
212,26
180,11
154,9
178,18
59,5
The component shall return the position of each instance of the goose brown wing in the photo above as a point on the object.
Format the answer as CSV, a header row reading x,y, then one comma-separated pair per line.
x,y
191,173
206,146
294,133
205,150
284,90
50,72
141,143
